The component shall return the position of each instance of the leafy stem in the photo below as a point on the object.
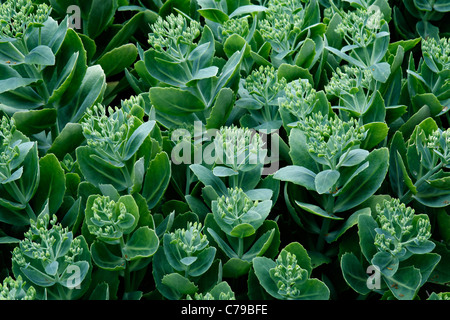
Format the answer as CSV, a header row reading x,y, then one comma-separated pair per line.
x,y
407,197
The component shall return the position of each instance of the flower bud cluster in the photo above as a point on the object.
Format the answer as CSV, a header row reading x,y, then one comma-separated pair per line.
x,y
209,296
329,138
236,26
280,20
360,26
190,240
44,243
439,142
172,31
108,217
239,148
288,275
107,133
438,50
347,79
17,15
8,150
397,228
16,290
299,99
263,84
133,101
234,208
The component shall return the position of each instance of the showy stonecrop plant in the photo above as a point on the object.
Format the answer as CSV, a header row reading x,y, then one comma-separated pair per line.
x,y
45,80
301,100
366,36
122,241
289,276
419,166
333,158
292,28
357,94
238,225
53,261
15,290
331,174
238,150
396,242
196,87
185,258
29,185
122,236
259,94
428,84
118,149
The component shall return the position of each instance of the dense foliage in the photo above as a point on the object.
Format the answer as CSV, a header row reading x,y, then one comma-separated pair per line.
x,y
224,149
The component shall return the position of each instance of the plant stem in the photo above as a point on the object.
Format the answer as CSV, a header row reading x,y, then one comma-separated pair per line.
x,y
240,247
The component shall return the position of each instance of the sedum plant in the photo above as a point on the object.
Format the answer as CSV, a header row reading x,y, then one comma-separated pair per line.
x,y
52,260
115,150
289,276
259,94
428,83
419,166
238,150
185,258
15,290
366,35
239,226
122,235
18,16
396,243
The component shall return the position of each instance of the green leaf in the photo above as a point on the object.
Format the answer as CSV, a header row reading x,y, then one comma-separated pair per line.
x,y
297,175
353,158
246,10
209,179
366,232
203,262
366,183
381,71
179,283
405,283
38,277
14,83
242,230
143,244
221,171
311,208
116,60
354,274
105,258
214,15
34,121
221,109
156,179
261,266
67,141
100,16
235,268
41,55
325,180
174,101
52,185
